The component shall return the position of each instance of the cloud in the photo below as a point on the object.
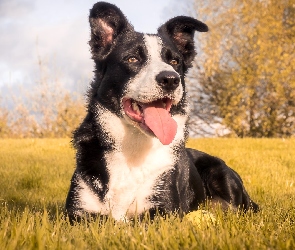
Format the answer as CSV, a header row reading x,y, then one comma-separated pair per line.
x,y
15,9
31,31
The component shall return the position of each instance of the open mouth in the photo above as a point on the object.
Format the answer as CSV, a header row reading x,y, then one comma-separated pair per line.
x,y
153,117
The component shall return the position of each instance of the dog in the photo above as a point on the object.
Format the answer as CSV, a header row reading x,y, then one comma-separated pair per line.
x,y
131,155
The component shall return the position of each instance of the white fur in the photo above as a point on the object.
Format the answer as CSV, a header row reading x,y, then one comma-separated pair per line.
x,y
88,200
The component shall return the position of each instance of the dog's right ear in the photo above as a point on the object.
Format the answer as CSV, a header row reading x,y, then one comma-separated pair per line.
x,y
107,22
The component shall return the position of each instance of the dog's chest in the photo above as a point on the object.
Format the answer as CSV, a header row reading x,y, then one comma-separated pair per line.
x,y
135,166
131,186
134,176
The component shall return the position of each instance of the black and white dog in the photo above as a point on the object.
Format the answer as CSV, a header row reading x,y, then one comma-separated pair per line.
x,y
131,155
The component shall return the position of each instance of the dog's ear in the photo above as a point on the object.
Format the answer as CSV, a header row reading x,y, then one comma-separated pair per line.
x,y
181,31
107,22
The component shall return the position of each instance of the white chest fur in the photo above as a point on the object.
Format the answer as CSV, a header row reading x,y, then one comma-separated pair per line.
x,y
134,166
133,178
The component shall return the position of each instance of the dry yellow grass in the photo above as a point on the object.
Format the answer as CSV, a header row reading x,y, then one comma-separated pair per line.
x,y
35,176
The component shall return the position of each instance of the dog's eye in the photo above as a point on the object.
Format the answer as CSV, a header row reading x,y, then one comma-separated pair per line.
x,y
173,62
132,59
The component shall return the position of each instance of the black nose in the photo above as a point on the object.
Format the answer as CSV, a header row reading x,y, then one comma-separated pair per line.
x,y
168,80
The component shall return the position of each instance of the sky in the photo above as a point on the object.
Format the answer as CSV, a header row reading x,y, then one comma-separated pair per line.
x,y
56,33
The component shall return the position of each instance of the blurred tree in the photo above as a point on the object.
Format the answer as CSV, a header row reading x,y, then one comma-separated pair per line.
x,y
46,109
22,123
70,112
4,127
246,72
62,115
57,110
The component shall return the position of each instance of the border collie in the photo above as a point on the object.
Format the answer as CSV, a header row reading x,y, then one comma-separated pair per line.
x,y
131,155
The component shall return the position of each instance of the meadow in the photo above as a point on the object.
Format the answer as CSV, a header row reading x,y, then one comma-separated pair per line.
x,y
35,176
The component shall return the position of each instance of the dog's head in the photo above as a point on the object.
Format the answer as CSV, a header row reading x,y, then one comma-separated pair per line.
x,y
140,77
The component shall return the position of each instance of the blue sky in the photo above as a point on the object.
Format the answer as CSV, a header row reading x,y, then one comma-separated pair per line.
x,y
58,32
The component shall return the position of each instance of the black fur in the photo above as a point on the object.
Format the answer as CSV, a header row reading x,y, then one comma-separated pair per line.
x,y
195,176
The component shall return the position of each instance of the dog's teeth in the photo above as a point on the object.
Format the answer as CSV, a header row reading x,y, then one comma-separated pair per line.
x,y
163,104
135,107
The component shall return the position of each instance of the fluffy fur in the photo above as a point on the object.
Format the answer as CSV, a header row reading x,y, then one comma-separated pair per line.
x,y
124,165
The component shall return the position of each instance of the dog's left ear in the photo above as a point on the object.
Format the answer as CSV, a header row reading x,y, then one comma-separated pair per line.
x,y
181,31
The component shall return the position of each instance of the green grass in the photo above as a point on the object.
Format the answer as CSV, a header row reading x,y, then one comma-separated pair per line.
x,y
35,176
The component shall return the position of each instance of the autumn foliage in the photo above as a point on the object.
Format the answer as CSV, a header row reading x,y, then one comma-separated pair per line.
x,y
47,110
246,69
58,120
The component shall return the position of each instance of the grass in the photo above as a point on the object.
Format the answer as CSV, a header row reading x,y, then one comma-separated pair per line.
x,y
35,176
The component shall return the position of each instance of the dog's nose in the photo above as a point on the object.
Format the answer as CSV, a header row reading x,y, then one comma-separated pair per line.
x,y
168,80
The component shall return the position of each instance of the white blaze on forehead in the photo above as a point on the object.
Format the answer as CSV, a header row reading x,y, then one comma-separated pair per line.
x,y
154,47
144,87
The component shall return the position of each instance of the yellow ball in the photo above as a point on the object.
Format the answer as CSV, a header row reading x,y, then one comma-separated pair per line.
x,y
200,217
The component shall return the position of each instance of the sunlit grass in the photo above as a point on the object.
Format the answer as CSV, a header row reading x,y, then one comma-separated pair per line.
x,y
35,176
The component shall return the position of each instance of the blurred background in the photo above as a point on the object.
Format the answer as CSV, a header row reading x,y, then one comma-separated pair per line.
x,y
242,83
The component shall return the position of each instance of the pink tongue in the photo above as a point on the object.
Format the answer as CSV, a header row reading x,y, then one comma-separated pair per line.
x,y
158,119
